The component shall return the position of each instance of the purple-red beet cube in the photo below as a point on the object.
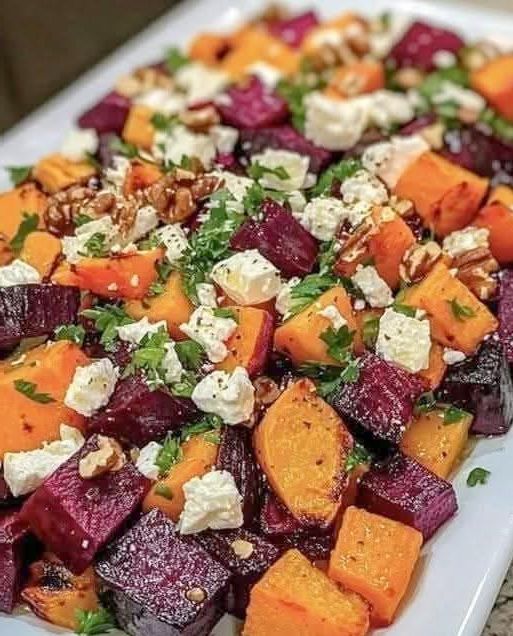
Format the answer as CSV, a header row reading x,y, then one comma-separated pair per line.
x,y
294,30
408,492
506,314
76,517
108,115
315,547
381,401
483,386
161,584
275,519
280,238
13,534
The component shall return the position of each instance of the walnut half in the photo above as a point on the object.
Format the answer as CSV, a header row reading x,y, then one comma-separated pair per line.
x,y
108,458
474,269
418,261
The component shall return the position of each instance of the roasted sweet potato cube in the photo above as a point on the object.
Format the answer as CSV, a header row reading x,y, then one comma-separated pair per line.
x,y
138,129
55,172
27,198
493,81
433,375
501,194
41,250
497,218
375,557
294,597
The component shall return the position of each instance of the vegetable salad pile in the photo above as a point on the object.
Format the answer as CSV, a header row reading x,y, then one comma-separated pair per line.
x,y
250,313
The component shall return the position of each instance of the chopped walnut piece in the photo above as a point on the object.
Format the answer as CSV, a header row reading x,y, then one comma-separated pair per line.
x,y
409,77
266,391
434,135
243,549
143,80
355,246
64,207
108,458
196,595
474,269
200,119
418,261
6,253
124,213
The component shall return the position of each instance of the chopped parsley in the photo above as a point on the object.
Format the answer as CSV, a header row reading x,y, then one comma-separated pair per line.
x,y
209,426
327,378
461,312
29,390
370,331
190,353
328,256
359,455
406,310
19,174
256,195
74,333
106,320
498,125
28,225
169,455
433,83
226,312
478,476
425,403
339,172
149,356
308,290
95,246
452,414
162,122
164,491
257,171
82,219
294,92
175,59
94,622
120,147
164,269
338,343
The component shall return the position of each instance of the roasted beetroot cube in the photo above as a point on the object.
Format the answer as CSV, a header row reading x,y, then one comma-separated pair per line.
x,y
159,583
76,517
108,115
228,161
27,311
419,45
6,496
405,491
246,555
13,534
120,354
381,400
285,138
275,519
315,547
280,238
137,415
506,314
482,385
236,456
418,124
294,30
252,106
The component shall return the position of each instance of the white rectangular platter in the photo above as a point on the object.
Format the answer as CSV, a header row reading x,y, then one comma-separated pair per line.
x,y
463,566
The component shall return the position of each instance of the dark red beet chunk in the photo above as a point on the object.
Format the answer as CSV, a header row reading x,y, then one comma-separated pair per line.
x,y
275,519
6,496
315,547
76,517
381,400
280,238
405,491
252,106
294,30
420,43
246,570
108,115
483,386
285,138
137,415
13,533
418,124
236,456
161,584
28,311
506,314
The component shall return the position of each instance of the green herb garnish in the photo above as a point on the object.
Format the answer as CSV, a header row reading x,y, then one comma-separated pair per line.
x,y
120,147
95,246
29,390
461,312
370,331
309,289
94,622
169,455
503,128
74,333
106,320
226,312
28,225
478,476
327,378
425,403
162,122
452,414
406,310
338,343
338,172
163,491
207,424
257,171
255,195
149,356
190,353
359,455
82,219
164,269
175,59
19,174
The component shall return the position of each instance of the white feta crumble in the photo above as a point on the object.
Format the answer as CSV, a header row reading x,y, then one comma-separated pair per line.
x,y
92,387
145,463
231,396
74,247
174,240
237,186
146,220
18,273
332,313
388,108
377,293
248,278
200,82
297,201
363,186
266,73
359,304
171,365
224,137
136,331
294,165
452,356
464,97
323,217
283,302
79,144
466,240
163,100
115,175
207,294
180,142
388,160
210,331
26,471
211,501
383,37
444,59
404,341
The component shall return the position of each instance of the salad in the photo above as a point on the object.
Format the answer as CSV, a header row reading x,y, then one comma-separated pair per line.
x,y
250,313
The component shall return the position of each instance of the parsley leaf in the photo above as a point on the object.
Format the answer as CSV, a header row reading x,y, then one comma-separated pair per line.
x,y
209,423
118,146
478,476
190,353
308,290
433,83
336,173
257,171
95,246
162,122
169,455
226,312
164,269
149,355
370,331
256,195
338,343
406,310
74,333
29,390
359,455
93,622
19,174
27,226
163,491
185,386
106,319
461,312
327,378
425,403
499,126
328,256
175,59
452,414
351,372
82,219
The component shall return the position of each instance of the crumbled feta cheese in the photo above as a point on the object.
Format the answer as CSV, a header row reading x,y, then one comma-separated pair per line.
x,y
115,175
332,313
180,142
363,186
112,287
377,293
236,186
79,144
210,331
388,108
297,201
163,100
146,220
211,501
207,294
462,241
230,396
293,163
174,240
18,273
452,356
444,59
201,83
135,280
283,302
74,247
171,365
224,137
383,38
136,331
145,463
92,387
247,278
389,159
26,471
323,217
326,36
359,304
464,97
404,341
266,73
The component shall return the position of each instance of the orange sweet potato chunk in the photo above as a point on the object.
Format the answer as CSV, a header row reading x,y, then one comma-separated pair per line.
x,y
172,305
209,48
434,444
340,23
495,82
440,295
359,78
446,196
138,129
497,218
41,250
27,423
299,337
501,194
140,176
28,199
302,445
294,597
375,557
433,375
55,172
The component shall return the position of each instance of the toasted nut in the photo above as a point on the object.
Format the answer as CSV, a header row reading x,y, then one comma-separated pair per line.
x,y
409,77
108,458
196,595
468,115
419,260
243,549
266,390
434,135
143,80
355,245
200,120
474,269
64,207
